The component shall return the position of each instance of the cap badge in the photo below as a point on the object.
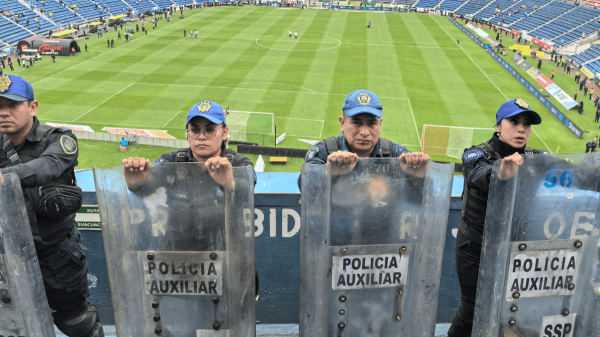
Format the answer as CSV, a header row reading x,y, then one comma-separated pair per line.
x,y
521,103
5,83
204,107
364,98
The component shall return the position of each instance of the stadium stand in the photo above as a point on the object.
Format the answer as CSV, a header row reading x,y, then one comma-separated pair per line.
x,y
568,22
509,16
10,32
143,5
427,3
451,5
472,7
490,11
589,55
548,13
86,9
57,12
40,26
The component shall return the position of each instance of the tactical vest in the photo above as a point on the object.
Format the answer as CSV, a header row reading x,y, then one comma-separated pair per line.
x,y
41,226
475,201
183,155
332,144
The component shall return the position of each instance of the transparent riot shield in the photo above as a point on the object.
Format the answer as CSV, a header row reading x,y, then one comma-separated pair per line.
x,y
24,307
539,250
371,249
180,252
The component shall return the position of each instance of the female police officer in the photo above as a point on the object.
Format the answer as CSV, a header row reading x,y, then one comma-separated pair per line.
x,y
206,131
513,127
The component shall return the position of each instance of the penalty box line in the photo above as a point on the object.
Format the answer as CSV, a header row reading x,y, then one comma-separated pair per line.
x,y
290,118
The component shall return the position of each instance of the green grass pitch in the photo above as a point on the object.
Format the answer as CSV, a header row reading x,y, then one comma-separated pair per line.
x,y
244,59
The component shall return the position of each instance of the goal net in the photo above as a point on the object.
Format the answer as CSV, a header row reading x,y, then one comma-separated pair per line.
x,y
254,127
451,141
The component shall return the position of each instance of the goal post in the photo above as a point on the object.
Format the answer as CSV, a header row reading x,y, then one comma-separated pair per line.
x,y
249,126
451,141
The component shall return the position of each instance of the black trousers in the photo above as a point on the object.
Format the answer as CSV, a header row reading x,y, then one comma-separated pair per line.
x,y
64,269
468,255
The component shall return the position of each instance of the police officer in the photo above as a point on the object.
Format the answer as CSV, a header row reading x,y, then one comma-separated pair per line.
x,y
44,158
206,131
509,142
361,128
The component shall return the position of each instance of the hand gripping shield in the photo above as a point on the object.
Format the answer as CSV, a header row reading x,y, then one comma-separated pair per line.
x,y
24,307
371,249
540,247
180,252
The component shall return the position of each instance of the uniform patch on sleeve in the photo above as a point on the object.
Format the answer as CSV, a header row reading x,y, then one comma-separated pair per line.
x,y
159,160
312,152
472,154
68,144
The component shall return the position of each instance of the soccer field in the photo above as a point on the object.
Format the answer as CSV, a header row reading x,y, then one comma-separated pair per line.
x,y
244,59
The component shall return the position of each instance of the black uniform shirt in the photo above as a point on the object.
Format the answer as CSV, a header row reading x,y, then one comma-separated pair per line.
x,y
50,165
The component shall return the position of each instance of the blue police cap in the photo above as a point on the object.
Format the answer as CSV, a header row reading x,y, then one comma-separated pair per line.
x,y
362,101
515,107
207,109
15,88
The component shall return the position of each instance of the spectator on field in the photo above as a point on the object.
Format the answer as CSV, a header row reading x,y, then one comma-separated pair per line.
x,y
131,138
552,74
591,92
575,96
123,144
597,115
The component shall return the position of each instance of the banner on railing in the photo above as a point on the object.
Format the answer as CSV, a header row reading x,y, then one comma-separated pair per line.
x,y
71,127
563,98
587,72
576,130
139,132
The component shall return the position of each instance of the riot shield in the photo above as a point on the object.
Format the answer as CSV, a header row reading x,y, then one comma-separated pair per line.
x,y
371,249
24,307
539,250
180,252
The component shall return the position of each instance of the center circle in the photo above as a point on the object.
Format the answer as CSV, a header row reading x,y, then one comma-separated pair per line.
x,y
305,42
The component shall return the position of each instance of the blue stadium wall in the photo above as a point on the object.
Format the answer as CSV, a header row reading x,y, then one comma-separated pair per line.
x,y
277,214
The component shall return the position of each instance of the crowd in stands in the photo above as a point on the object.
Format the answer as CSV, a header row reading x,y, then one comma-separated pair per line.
x,y
41,17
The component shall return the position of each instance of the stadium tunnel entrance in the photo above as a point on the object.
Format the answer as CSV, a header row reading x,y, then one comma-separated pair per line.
x,y
62,47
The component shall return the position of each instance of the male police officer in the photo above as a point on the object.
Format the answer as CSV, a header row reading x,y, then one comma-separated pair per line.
x,y
361,127
44,159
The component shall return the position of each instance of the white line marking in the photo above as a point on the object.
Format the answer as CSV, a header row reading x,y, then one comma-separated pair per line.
x,y
248,12
106,100
414,121
253,112
321,133
271,83
302,119
546,145
387,24
172,118
111,49
380,39
258,89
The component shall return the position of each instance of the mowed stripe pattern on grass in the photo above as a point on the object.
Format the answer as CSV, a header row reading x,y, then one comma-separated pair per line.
x,y
409,60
